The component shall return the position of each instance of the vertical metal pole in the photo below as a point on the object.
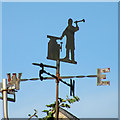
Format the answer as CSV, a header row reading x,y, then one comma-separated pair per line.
x,y
5,107
57,88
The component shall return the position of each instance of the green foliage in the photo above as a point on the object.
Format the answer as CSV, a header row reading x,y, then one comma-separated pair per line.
x,y
77,98
29,114
68,106
72,100
61,100
34,115
65,105
35,110
45,111
62,103
52,107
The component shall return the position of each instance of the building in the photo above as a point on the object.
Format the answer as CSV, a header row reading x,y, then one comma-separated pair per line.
x,y
65,114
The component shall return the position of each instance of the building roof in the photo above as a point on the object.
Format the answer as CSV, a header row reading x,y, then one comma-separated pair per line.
x,y
67,114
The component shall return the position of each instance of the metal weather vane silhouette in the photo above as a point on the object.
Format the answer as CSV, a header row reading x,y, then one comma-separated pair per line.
x,y
70,44
54,48
53,54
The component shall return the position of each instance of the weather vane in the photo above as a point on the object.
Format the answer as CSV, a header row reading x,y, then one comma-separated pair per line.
x,y
53,54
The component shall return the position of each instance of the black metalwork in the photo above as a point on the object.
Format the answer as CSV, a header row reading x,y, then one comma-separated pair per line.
x,y
54,47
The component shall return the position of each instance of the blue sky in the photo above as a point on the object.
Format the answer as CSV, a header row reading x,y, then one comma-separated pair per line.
x,y
25,27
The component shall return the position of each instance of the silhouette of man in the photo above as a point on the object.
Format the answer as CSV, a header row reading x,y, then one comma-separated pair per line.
x,y
69,33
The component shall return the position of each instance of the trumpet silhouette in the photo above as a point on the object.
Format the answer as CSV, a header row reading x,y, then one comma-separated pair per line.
x,y
83,20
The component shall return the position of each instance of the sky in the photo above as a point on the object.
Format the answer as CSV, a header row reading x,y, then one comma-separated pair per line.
x,y
25,27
